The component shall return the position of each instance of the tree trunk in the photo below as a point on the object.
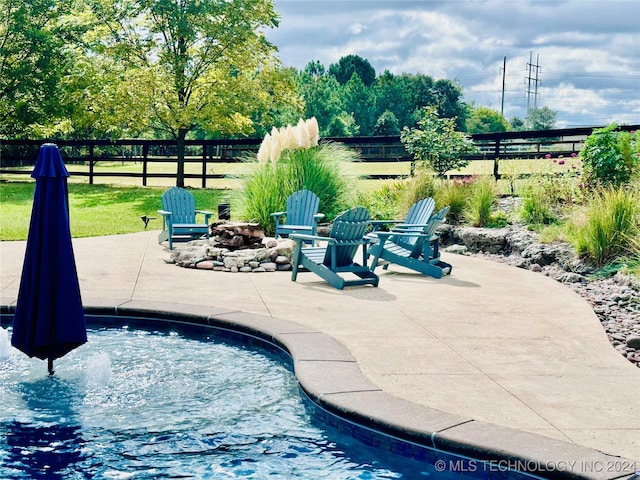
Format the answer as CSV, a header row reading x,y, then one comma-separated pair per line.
x,y
182,133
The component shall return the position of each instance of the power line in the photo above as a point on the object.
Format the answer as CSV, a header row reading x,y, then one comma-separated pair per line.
x,y
629,76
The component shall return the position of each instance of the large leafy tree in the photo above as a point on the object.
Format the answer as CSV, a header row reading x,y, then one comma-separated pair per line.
x,y
191,63
359,101
350,64
321,93
33,62
447,97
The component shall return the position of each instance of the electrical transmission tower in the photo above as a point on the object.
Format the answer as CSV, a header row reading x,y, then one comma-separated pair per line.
x,y
531,79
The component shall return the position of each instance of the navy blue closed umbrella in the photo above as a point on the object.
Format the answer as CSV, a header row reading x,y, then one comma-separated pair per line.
x,y
49,320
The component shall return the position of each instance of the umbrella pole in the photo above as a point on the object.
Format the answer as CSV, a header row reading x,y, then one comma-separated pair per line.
x,y
50,365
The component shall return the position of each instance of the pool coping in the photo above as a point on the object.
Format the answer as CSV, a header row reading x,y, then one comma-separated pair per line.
x,y
329,375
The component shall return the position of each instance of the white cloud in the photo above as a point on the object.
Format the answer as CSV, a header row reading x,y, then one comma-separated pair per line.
x,y
589,51
357,28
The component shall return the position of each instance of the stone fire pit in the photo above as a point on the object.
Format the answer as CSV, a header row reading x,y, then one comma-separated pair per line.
x,y
235,247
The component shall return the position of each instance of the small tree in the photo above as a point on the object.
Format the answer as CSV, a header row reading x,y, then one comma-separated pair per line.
x,y
609,156
437,143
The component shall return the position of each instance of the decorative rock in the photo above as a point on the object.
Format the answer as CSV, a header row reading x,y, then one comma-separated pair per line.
x,y
281,260
633,342
189,256
618,336
483,239
233,262
570,277
284,267
535,267
269,266
259,270
269,242
519,239
246,269
206,265
233,269
254,264
457,249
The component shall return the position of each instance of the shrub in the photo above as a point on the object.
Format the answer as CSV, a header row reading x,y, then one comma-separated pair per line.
x,y
610,157
610,227
321,169
498,220
537,208
482,197
383,204
421,185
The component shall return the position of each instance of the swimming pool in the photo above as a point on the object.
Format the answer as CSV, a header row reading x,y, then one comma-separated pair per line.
x,y
148,403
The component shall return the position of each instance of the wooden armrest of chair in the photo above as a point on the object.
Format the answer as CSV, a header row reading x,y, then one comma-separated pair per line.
x,y
307,237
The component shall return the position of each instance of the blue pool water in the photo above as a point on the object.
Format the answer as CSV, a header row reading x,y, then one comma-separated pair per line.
x,y
145,405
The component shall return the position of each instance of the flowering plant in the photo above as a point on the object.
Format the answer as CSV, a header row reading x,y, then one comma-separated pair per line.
x,y
304,135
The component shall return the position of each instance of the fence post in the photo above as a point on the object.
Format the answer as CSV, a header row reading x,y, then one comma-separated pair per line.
x,y
145,154
204,165
496,155
91,162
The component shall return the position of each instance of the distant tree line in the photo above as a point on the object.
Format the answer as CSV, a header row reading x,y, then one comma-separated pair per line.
x,y
201,69
91,69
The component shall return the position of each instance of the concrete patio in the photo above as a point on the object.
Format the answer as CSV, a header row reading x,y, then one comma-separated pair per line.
x,y
491,342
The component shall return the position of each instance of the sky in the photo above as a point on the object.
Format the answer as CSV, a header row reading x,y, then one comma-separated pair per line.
x,y
580,58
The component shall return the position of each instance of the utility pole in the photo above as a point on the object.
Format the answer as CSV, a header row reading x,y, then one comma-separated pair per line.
x,y
530,79
504,72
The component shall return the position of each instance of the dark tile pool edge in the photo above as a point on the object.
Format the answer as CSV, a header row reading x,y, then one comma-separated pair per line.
x,y
330,377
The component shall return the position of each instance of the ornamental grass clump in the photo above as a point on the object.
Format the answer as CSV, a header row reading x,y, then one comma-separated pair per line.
x,y
482,197
537,209
454,194
292,159
610,226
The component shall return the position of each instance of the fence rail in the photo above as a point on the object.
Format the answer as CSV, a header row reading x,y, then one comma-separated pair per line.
x,y
15,155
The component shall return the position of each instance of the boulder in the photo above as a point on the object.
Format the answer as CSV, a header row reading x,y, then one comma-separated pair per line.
x,y
456,248
491,240
189,255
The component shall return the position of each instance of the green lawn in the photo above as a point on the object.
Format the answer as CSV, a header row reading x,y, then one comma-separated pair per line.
x,y
114,204
94,209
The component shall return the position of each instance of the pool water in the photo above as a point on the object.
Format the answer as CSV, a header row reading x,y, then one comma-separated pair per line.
x,y
144,405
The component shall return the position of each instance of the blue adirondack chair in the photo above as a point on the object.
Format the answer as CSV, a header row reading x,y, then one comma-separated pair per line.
x,y
179,217
416,221
421,255
301,215
335,261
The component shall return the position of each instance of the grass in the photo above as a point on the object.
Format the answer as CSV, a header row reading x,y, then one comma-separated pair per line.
x,y
482,197
513,172
95,210
610,227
